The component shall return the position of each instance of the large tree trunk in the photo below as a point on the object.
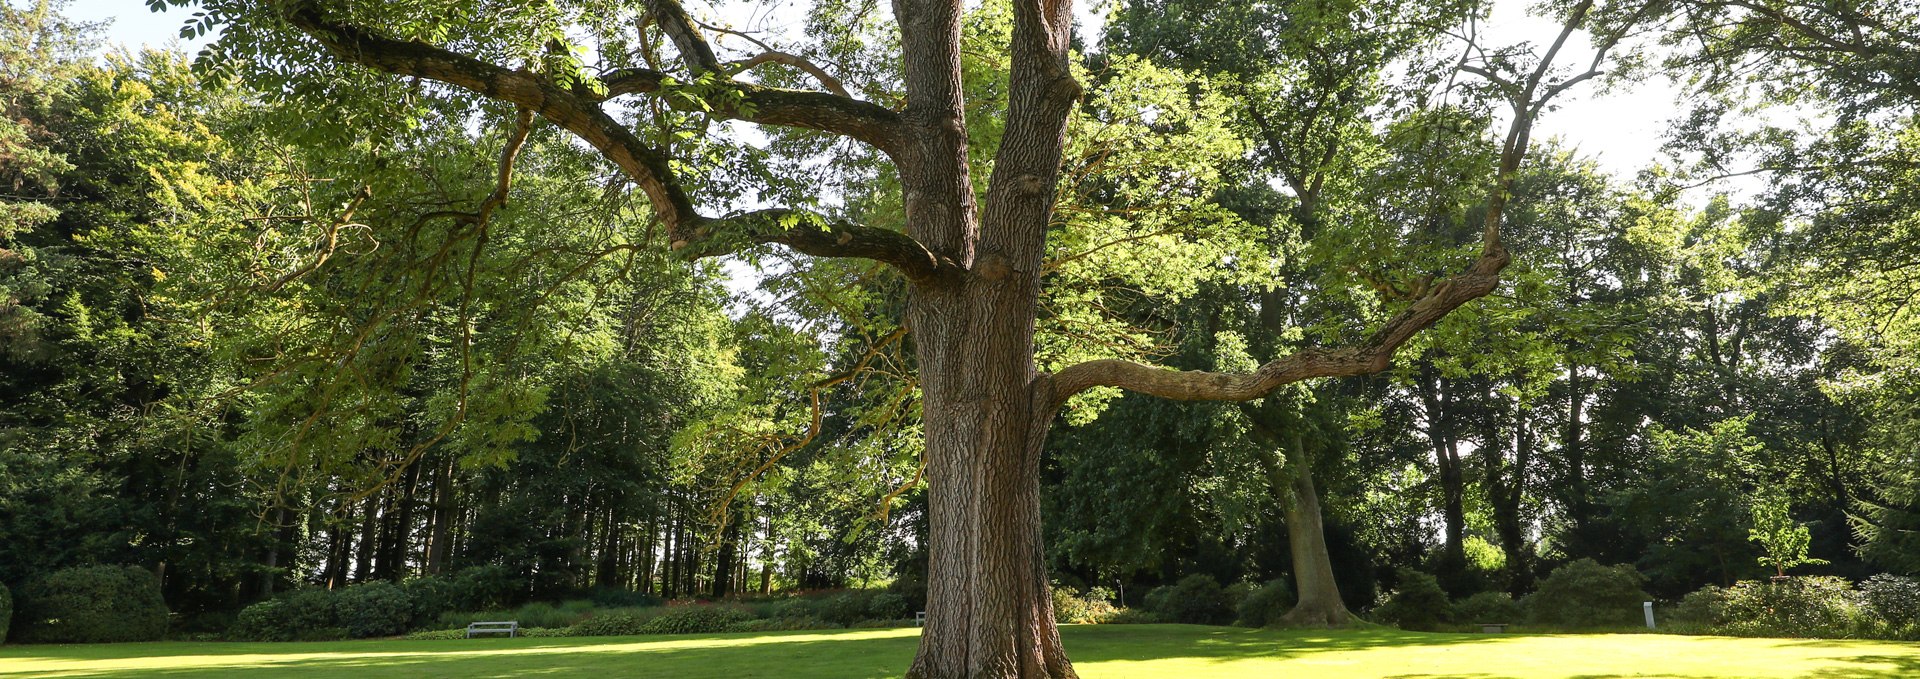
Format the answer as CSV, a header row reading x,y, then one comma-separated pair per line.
x,y
1319,603
989,610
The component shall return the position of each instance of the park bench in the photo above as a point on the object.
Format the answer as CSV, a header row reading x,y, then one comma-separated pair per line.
x,y
920,619
1493,627
509,627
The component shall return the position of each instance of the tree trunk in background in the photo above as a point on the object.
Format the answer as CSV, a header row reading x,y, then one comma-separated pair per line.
x,y
1436,394
1319,603
369,521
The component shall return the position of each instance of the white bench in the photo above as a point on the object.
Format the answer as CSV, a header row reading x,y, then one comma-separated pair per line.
x,y
920,619
510,628
1493,627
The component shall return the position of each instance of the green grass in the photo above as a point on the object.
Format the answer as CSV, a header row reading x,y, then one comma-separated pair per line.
x,y
1110,652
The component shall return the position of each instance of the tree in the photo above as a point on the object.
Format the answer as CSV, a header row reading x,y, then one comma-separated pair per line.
x,y
973,262
1784,539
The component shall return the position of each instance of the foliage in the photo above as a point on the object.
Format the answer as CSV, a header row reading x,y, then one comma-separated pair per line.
x,y
1265,604
374,609
1807,606
1094,606
609,625
1784,539
90,604
1584,593
1487,607
1416,603
1893,600
697,619
6,611
1194,600
782,624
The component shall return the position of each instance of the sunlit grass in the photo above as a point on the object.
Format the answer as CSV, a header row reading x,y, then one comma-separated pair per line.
x,y
1110,652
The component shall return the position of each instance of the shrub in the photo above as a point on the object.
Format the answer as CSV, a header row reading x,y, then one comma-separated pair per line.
x,y
92,604
851,606
1195,600
1815,606
881,624
484,587
913,589
6,612
695,620
1132,616
1892,600
1587,594
375,609
1700,610
294,616
1486,607
1092,607
1417,602
609,625
432,597
1265,604
781,624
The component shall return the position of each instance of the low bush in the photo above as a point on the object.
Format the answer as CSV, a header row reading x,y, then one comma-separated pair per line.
x,y
881,624
1816,606
1132,616
699,619
609,625
1094,606
1587,594
432,597
1194,600
1893,601
782,624
913,589
1263,605
92,604
1417,602
375,609
6,611
1486,607
1699,611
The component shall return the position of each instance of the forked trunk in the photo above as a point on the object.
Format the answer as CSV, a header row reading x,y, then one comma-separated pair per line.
x,y
989,608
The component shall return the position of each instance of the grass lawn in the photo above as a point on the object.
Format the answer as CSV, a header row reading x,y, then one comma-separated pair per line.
x,y
1112,651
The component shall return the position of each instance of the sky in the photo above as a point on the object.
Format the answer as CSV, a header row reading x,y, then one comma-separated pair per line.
x,y
1622,129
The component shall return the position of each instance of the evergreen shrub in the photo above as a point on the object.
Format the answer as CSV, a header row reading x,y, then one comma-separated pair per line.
x,y
91,604
1586,594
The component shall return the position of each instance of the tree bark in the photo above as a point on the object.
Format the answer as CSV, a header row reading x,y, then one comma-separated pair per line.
x,y
1319,603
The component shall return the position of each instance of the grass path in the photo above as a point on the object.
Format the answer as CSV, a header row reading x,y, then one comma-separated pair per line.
x,y
1104,652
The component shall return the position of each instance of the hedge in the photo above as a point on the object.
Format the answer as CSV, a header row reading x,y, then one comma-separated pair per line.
x,y
92,604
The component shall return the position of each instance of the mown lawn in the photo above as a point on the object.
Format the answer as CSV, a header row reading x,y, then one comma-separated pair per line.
x,y
1114,651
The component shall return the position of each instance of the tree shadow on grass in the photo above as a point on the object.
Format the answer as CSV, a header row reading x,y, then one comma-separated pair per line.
x,y
850,655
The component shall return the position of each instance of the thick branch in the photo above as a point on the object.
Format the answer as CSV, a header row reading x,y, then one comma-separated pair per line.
x,y
812,234
1369,357
579,112
865,121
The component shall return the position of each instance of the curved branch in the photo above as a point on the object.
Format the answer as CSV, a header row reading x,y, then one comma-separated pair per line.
x,y
865,121
1368,357
812,234
578,111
